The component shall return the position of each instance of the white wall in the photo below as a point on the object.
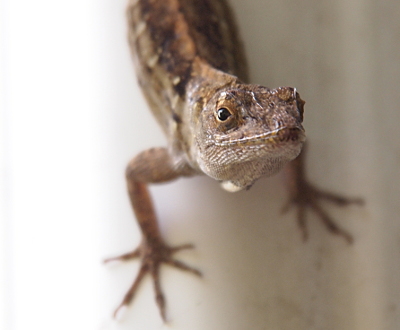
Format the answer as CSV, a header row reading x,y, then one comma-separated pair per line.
x,y
72,116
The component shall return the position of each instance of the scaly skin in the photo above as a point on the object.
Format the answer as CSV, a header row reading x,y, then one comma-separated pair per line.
x,y
191,67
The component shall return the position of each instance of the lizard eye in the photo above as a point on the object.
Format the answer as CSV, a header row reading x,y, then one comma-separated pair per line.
x,y
223,114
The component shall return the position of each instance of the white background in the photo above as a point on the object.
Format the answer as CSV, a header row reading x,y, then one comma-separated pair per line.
x,y
72,116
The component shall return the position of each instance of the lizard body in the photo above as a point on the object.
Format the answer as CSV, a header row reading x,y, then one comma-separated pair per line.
x,y
192,70
188,56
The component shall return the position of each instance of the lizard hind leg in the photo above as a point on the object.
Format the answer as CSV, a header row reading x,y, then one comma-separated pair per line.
x,y
304,195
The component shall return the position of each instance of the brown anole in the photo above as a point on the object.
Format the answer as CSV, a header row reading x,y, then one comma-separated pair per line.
x,y
192,70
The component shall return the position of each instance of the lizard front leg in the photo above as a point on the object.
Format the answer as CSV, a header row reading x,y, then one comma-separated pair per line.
x,y
303,195
151,166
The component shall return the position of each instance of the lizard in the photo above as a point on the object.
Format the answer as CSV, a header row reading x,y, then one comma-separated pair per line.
x,y
192,70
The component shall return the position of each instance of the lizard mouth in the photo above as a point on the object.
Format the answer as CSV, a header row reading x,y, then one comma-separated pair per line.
x,y
278,136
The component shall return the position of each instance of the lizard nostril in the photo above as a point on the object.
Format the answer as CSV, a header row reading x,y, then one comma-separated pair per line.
x,y
286,94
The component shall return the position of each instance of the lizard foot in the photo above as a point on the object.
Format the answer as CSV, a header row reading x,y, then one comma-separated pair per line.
x,y
308,196
152,255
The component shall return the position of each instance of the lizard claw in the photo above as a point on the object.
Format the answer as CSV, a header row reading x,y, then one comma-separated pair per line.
x,y
308,196
304,195
152,255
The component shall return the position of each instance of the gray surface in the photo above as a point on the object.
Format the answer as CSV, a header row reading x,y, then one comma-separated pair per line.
x,y
73,116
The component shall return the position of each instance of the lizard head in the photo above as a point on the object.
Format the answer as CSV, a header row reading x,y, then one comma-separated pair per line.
x,y
249,131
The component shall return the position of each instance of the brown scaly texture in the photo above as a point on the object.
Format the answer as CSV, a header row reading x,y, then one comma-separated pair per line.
x,y
191,67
